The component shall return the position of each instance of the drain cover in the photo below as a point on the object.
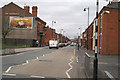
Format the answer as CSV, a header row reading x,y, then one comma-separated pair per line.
x,y
45,60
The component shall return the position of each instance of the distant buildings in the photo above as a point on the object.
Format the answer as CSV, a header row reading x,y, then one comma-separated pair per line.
x,y
20,27
108,27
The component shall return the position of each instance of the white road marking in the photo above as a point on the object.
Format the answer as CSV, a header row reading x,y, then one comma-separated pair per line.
x,y
109,75
77,58
7,55
9,74
37,76
70,68
20,53
37,58
87,54
8,69
26,61
15,65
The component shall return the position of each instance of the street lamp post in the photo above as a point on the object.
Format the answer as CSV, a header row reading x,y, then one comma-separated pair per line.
x,y
53,22
80,30
88,24
61,35
88,14
79,40
52,27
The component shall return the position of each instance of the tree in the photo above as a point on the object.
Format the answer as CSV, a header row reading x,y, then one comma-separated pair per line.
x,y
5,32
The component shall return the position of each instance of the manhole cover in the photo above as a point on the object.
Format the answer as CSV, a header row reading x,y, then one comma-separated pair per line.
x,y
45,60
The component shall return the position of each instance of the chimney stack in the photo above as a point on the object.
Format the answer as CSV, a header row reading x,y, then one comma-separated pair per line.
x,y
34,11
27,8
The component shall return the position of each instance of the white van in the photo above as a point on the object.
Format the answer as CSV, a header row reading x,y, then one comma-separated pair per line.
x,y
53,44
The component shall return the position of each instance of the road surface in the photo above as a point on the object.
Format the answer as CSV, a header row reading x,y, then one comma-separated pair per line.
x,y
45,63
16,59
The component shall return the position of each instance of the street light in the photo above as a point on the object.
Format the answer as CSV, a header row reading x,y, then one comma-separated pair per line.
x,y
61,35
79,40
88,14
77,34
53,22
88,24
63,32
80,30
52,27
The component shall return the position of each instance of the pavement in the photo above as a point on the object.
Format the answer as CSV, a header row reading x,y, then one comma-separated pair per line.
x,y
108,65
18,50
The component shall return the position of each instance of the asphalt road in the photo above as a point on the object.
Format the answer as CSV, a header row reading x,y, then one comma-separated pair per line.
x,y
60,63
16,59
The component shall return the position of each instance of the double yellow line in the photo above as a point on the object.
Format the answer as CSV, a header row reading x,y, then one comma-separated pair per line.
x,y
74,51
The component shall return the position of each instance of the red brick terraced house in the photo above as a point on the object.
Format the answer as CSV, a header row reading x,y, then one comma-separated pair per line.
x,y
108,27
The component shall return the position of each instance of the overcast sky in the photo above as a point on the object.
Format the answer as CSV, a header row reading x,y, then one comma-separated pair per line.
x,y
68,14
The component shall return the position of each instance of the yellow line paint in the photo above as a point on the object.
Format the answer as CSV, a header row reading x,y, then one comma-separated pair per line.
x,y
74,52
92,56
100,63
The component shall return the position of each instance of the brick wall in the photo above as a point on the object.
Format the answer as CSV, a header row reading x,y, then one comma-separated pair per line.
x,y
110,32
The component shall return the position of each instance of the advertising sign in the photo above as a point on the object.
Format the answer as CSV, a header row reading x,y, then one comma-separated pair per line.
x,y
21,22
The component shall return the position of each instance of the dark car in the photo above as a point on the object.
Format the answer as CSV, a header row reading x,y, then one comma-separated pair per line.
x,y
60,45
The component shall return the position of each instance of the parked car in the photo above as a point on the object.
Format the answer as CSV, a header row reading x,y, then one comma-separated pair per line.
x,y
60,44
73,44
53,44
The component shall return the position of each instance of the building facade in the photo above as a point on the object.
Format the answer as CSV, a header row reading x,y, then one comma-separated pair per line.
x,y
19,35
20,27
108,27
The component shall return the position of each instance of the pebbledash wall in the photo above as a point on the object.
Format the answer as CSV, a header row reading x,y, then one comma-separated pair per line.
x,y
18,36
108,27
